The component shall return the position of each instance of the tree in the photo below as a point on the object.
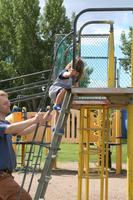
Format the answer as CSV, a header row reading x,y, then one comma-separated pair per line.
x,y
85,79
53,21
21,44
126,50
21,47
28,45
73,18
6,40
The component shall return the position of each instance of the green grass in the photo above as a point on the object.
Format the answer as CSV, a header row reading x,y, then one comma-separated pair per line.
x,y
124,153
69,153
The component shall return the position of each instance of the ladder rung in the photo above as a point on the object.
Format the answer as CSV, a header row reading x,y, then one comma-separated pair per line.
x,y
54,148
65,111
53,156
47,178
91,129
37,156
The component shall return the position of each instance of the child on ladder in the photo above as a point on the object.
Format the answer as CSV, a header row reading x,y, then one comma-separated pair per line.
x,y
64,82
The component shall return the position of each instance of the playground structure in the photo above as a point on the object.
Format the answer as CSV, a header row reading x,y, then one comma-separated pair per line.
x,y
101,100
72,130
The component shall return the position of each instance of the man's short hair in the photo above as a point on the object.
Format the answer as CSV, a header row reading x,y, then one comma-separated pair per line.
x,y
3,93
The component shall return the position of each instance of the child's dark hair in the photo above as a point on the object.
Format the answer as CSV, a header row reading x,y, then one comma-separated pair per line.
x,y
79,67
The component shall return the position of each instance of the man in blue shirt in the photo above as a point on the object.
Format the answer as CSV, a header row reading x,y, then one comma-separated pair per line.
x,y
9,189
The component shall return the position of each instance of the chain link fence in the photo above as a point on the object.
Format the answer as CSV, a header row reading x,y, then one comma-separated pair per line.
x,y
123,77
94,51
63,51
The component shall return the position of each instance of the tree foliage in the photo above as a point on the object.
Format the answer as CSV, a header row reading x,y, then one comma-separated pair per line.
x,y
53,21
21,46
6,39
85,79
126,50
27,57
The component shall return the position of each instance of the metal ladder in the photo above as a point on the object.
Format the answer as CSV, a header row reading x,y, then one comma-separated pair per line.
x,y
53,150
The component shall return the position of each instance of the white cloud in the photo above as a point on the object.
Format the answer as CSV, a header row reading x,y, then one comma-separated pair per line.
x,y
104,30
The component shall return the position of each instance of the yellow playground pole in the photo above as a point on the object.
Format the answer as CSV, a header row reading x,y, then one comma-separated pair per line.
x,y
130,136
111,60
132,58
130,152
87,136
80,162
99,118
102,156
118,141
107,153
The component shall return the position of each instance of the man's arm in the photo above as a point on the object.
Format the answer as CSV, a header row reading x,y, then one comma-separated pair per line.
x,y
47,117
29,125
28,130
17,127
